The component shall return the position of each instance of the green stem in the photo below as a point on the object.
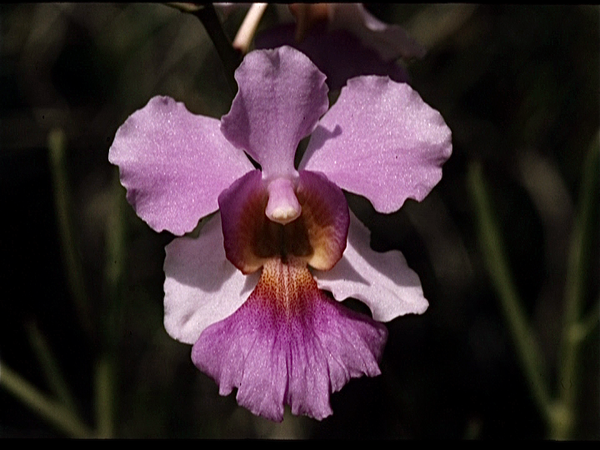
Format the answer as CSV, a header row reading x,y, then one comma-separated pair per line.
x,y
104,389
492,248
113,276
230,57
574,328
62,204
49,366
114,268
589,322
52,411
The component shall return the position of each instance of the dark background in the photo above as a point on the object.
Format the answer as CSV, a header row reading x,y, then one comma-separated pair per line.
x,y
518,86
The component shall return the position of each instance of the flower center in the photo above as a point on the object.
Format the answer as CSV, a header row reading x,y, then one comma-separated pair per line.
x,y
306,218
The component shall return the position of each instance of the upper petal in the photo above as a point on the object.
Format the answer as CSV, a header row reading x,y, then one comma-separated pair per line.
x,y
383,281
201,286
380,140
174,164
281,96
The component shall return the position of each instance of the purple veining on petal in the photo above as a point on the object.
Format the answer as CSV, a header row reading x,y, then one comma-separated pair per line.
x,y
382,141
289,344
174,164
281,96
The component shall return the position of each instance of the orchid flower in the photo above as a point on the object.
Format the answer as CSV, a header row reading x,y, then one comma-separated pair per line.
x,y
250,292
344,40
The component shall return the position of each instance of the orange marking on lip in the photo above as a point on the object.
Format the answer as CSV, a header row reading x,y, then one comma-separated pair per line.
x,y
286,286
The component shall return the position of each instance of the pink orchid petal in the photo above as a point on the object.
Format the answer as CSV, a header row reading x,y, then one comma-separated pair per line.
x,y
289,344
281,96
201,286
382,141
383,281
174,164
390,41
